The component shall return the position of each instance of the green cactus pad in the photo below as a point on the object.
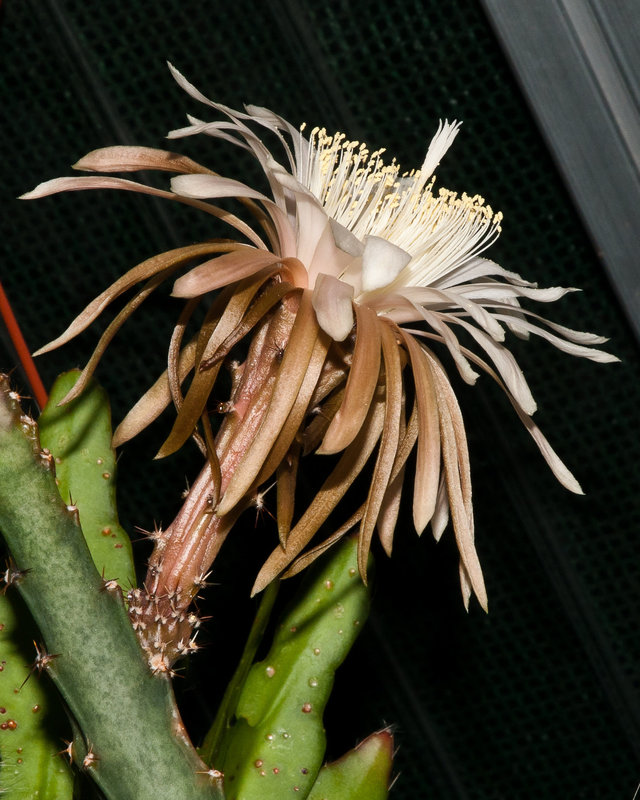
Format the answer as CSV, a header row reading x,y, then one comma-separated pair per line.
x,y
275,749
31,718
78,435
361,774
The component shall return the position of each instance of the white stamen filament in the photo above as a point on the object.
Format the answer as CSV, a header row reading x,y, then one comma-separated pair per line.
x,y
441,231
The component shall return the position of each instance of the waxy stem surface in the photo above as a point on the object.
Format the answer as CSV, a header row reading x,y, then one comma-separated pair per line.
x,y
130,736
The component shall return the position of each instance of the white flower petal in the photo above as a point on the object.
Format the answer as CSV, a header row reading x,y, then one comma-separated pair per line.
x,y
505,363
502,291
276,124
381,262
572,348
478,267
333,303
562,473
453,300
311,218
441,142
437,321
345,240
210,186
514,317
329,259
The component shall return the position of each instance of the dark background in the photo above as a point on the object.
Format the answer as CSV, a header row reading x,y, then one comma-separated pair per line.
x,y
539,699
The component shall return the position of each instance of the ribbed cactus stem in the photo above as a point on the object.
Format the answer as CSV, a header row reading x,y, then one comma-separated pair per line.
x,y
131,737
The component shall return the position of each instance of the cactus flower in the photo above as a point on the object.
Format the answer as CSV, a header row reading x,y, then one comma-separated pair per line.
x,y
354,271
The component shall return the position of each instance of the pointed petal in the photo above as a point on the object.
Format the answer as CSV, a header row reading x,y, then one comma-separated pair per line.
x,y
332,491
572,348
477,267
437,320
390,508
446,394
129,159
307,558
152,266
427,476
557,466
516,316
505,362
154,401
361,384
465,586
462,523
502,291
286,489
440,518
389,512
108,182
441,142
106,338
394,391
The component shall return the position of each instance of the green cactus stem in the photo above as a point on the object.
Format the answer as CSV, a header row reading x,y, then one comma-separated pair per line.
x,y
78,435
361,774
276,747
29,716
132,741
216,738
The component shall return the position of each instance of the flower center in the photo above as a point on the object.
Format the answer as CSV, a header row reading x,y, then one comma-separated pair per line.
x,y
369,197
